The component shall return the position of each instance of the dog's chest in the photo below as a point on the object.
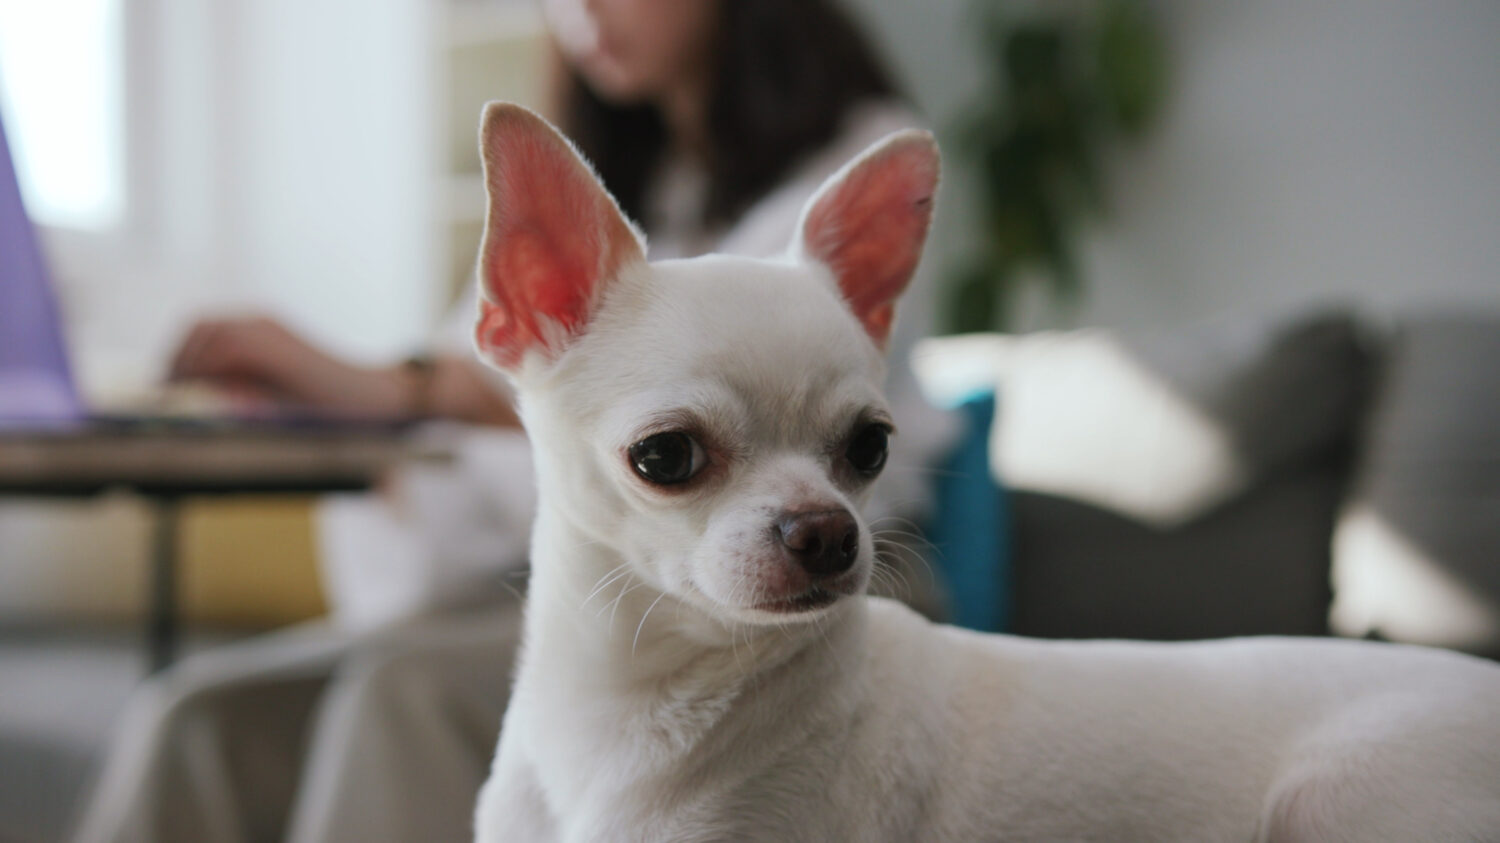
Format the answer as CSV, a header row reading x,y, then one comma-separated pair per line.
x,y
688,761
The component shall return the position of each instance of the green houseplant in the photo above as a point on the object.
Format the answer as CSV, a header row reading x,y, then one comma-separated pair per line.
x,y
1065,81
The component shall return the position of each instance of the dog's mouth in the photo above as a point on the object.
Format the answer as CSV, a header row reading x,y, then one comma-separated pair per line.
x,y
816,597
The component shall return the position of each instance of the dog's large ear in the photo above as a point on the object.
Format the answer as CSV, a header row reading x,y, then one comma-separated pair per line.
x,y
552,238
868,223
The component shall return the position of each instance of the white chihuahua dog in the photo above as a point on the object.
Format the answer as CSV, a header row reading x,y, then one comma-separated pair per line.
x,y
700,662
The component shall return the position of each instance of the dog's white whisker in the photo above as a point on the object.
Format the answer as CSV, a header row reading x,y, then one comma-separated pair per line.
x,y
917,545
512,589
898,529
734,649
625,585
891,534
908,554
925,471
901,519
615,573
890,575
880,582
833,651
614,604
638,627
603,582
633,586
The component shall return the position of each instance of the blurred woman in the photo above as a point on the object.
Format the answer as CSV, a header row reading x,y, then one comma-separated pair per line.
x,y
712,122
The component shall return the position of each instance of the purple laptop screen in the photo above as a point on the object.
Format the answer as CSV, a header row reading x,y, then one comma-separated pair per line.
x,y
35,383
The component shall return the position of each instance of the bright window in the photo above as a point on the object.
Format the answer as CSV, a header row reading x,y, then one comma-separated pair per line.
x,y
62,94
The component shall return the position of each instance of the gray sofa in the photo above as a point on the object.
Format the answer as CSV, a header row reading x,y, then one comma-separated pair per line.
x,y
1364,498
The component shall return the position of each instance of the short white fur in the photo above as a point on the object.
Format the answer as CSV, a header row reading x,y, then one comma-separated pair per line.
x,y
654,701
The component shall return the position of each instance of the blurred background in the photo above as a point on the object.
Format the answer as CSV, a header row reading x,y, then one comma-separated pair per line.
x,y
1269,203
317,160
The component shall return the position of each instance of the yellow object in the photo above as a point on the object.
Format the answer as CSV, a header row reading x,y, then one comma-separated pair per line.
x,y
248,562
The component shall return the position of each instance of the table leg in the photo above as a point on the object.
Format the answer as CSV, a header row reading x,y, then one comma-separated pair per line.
x,y
161,619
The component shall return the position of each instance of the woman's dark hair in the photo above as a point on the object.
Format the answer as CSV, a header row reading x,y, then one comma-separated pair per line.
x,y
785,74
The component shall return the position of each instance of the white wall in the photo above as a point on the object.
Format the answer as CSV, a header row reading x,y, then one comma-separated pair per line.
x,y
1312,150
340,182
932,50
281,160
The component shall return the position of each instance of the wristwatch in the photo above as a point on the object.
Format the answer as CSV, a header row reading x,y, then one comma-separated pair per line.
x,y
421,374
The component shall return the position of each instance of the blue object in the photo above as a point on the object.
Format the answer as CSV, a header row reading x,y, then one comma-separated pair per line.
x,y
971,524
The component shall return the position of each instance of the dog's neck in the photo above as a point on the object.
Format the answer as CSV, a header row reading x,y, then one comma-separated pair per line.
x,y
632,683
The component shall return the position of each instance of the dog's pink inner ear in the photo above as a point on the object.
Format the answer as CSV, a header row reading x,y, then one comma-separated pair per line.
x,y
553,236
869,226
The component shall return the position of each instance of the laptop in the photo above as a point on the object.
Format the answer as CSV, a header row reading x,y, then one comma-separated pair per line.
x,y
36,383
38,391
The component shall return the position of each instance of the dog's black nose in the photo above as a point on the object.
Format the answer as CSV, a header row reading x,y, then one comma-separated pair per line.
x,y
823,543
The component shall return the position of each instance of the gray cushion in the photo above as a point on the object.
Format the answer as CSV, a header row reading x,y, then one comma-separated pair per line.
x,y
1160,427
1283,391
1417,548
1257,565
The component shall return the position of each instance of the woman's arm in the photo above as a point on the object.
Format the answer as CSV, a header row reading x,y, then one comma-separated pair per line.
x,y
262,358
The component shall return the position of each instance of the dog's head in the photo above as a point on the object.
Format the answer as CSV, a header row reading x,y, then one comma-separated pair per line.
x,y
716,421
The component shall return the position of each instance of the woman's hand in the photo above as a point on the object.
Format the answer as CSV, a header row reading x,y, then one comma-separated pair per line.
x,y
259,358
259,361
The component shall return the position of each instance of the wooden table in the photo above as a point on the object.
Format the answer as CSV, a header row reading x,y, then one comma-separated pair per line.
x,y
168,463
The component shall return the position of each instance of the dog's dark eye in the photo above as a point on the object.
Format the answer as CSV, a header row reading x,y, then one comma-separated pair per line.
x,y
867,450
667,458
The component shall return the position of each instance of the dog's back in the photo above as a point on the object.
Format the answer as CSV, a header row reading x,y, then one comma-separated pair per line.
x,y
900,730
1302,740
